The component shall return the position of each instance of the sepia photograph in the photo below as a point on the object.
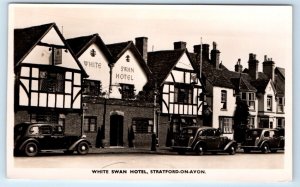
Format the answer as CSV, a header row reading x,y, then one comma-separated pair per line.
x,y
143,92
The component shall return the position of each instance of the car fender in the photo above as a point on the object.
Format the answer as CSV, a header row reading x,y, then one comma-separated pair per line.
x,y
74,145
262,143
232,142
198,143
21,147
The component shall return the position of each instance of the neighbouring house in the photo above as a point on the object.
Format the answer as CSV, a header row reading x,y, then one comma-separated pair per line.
x,y
180,91
48,78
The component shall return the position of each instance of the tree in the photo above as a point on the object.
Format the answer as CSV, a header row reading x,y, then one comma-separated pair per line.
x,y
241,116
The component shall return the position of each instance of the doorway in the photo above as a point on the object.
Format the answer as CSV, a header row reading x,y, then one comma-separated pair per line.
x,y
116,130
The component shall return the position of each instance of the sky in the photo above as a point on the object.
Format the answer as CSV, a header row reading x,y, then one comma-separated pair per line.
x,y
237,30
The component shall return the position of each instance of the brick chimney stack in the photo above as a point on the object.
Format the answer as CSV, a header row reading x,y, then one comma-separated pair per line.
x,y
215,56
205,52
179,45
269,67
253,66
141,44
238,67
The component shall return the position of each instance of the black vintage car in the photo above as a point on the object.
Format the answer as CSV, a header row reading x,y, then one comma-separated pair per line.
x,y
32,138
265,140
203,139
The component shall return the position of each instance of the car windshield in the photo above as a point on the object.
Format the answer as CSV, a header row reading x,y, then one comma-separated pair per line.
x,y
254,133
189,131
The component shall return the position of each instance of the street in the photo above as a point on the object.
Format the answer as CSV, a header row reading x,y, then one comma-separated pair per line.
x,y
168,160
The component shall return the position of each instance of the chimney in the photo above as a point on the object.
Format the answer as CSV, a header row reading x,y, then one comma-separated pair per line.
x,y
179,45
238,67
269,67
215,56
141,44
205,52
197,51
253,66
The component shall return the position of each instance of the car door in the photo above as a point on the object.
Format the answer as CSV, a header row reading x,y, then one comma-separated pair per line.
x,y
45,139
211,139
58,137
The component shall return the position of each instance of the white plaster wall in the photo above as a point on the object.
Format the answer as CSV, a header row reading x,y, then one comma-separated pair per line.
x,y
96,67
217,105
127,73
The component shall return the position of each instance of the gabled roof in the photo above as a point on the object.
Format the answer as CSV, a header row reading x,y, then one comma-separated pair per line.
x,y
26,39
80,44
281,71
260,84
242,85
162,62
118,49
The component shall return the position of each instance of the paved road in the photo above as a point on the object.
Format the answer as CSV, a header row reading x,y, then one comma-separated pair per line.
x,y
146,160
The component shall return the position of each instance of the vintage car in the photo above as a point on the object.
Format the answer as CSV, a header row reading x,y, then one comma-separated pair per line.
x,y
203,139
32,138
265,140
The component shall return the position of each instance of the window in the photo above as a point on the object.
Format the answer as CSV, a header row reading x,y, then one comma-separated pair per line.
x,y
142,125
224,99
51,81
280,106
57,56
44,117
34,130
127,91
280,122
91,88
251,122
226,124
249,97
183,94
269,103
90,124
46,130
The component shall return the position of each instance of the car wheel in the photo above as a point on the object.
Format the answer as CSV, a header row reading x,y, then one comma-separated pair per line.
x,y
31,149
265,148
200,150
232,150
82,148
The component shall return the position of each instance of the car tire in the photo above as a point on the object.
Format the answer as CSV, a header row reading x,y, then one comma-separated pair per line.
x,y
82,148
265,148
31,149
232,150
200,149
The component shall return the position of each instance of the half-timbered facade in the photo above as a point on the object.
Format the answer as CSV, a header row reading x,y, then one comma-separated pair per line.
x,y
48,77
180,89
